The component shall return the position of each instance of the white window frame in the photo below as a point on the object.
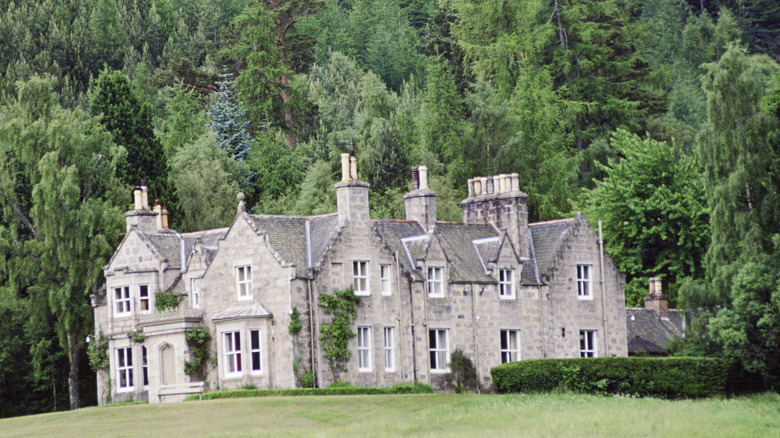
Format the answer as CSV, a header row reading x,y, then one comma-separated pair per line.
x,y
360,277
145,366
364,348
510,345
144,299
435,282
195,301
255,351
385,280
232,352
439,355
389,348
124,369
588,343
122,301
244,282
506,284
584,282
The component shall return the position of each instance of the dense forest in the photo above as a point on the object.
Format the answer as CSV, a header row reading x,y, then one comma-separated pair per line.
x,y
660,118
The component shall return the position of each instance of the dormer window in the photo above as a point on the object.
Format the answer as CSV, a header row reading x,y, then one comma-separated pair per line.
x,y
506,284
244,282
435,283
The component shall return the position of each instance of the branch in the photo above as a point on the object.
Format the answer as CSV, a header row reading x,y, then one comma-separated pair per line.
x,y
27,223
91,180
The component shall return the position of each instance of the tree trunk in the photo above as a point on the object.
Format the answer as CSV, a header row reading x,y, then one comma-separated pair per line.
x,y
73,374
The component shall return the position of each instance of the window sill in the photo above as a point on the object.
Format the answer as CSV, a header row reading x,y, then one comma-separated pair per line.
x,y
445,371
130,389
365,370
362,294
507,297
245,298
585,297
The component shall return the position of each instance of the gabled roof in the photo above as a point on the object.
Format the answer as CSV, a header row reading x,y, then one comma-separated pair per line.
x,y
647,331
406,239
457,242
548,238
299,241
175,248
209,241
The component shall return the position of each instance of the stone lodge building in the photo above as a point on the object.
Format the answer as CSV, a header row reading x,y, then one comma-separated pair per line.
x,y
494,286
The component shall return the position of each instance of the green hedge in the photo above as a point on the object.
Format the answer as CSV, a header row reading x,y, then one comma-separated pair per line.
x,y
667,377
408,388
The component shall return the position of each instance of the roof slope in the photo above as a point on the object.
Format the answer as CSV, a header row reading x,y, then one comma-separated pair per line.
x,y
548,238
647,331
457,242
392,233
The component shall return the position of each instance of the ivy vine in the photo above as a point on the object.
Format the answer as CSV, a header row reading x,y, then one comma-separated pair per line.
x,y
137,336
296,325
97,351
335,336
166,300
198,341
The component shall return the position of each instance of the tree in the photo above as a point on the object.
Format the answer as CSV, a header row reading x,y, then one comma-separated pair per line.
x,y
130,124
228,123
60,206
654,212
270,52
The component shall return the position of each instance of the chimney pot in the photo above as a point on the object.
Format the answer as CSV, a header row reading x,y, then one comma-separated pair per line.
x,y
164,217
353,168
470,186
344,167
515,182
138,198
415,178
423,177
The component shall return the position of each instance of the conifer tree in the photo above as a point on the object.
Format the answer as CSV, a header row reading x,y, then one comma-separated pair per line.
x,y
229,123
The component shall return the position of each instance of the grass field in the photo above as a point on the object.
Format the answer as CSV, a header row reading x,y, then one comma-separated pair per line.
x,y
536,415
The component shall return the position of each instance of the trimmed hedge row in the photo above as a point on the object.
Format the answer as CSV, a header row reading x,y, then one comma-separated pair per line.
x,y
667,377
415,388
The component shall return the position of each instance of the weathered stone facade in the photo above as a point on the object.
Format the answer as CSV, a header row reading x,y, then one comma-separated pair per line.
x,y
494,286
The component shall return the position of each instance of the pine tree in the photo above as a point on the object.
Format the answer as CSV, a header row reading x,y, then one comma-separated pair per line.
x,y
229,123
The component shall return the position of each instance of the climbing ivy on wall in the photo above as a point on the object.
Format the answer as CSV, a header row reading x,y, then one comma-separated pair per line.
x,y
335,336
198,341
97,351
166,300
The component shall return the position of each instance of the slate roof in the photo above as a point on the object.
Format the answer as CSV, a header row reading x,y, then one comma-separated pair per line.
x,y
457,242
647,331
548,238
392,233
168,244
209,240
288,237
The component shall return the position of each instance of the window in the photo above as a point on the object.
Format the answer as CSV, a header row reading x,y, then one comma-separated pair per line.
x,y
145,366
384,279
122,300
143,294
254,349
439,348
510,346
232,353
389,342
587,343
435,288
360,276
195,294
364,348
124,368
244,282
583,282
506,283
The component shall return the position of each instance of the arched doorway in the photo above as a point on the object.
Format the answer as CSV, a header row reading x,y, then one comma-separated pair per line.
x,y
167,365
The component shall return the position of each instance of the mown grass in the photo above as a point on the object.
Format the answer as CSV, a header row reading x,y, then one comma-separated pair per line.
x,y
434,415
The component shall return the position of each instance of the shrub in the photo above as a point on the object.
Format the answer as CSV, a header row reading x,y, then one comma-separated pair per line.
x,y
463,372
166,300
339,389
671,377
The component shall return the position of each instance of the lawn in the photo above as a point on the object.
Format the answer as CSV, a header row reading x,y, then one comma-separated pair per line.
x,y
534,415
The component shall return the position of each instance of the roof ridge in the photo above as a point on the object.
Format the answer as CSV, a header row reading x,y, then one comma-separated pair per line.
x,y
553,221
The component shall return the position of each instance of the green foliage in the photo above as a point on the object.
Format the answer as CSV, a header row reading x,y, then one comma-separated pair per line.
x,y
137,336
335,389
97,351
463,372
296,325
641,376
198,340
335,335
166,300
307,380
653,208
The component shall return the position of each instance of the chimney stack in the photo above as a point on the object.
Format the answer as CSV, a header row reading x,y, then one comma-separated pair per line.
x,y
421,201
351,194
655,300
498,200
140,217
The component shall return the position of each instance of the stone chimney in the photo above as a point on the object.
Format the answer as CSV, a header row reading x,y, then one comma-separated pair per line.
x,y
351,194
655,300
141,218
421,201
498,200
